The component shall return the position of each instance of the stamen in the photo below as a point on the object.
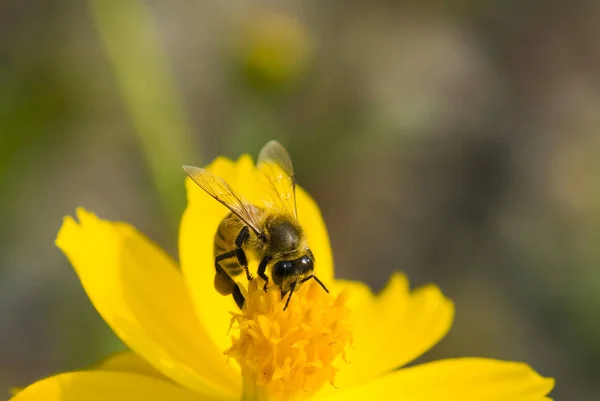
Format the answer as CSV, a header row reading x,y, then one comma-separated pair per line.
x,y
290,354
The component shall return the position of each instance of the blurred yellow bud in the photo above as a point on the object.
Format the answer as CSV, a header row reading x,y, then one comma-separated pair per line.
x,y
274,50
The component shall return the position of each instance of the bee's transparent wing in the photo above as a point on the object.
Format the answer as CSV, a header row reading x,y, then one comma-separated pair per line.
x,y
222,192
275,164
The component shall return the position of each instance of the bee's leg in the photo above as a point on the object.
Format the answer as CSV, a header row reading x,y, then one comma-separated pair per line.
x,y
224,256
243,261
238,297
239,252
290,296
261,271
242,237
222,277
230,286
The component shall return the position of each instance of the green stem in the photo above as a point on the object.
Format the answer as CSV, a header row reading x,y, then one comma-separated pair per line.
x,y
250,391
127,31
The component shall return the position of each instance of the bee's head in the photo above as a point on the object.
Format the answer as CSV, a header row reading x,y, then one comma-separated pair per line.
x,y
287,272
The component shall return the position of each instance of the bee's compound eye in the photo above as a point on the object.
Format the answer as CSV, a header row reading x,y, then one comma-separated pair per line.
x,y
281,270
305,265
307,262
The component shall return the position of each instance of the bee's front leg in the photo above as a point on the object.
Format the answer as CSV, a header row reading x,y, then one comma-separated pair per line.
x,y
239,252
262,267
224,284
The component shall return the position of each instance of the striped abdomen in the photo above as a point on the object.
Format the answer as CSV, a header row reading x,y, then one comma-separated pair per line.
x,y
228,230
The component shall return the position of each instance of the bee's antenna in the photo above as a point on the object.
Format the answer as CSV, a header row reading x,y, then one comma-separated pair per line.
x,y
290,296
320,283
317,280
295,283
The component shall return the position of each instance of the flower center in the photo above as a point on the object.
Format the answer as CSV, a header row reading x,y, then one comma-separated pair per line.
x,y
288,355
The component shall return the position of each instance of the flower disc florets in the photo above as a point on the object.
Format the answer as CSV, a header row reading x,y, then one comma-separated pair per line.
x,y
289,354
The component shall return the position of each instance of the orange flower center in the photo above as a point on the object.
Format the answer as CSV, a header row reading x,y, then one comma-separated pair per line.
x,y
289,355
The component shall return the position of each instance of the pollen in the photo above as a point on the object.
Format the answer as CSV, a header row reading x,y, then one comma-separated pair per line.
x,y
290,354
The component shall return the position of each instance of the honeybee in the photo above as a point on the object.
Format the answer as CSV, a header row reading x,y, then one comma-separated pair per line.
x,y
270,234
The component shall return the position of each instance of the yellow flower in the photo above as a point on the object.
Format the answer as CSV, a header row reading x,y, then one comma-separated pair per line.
x,y
190,343
273,50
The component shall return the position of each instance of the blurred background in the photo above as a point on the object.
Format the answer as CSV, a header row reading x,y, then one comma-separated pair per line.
x,y
455,140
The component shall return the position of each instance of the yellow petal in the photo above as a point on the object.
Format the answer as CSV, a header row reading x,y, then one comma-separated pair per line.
x,y
310,217
139,292
199,225
392,328
196,240
103,386
128,362
463,379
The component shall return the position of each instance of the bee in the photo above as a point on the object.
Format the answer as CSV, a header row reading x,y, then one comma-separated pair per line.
x,y
270,234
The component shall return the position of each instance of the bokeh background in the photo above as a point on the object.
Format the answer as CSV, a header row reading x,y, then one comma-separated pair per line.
x,y
455,140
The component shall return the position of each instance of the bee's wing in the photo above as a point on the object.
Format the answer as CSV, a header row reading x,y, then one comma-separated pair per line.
x,y
222,192
275,163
